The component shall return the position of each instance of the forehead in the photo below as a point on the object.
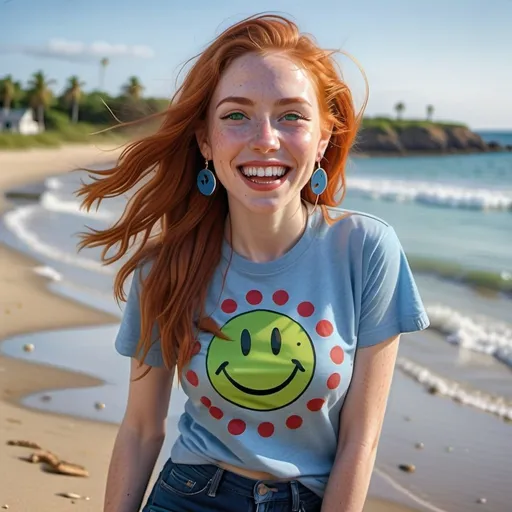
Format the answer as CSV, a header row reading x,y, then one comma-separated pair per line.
x,y
265,77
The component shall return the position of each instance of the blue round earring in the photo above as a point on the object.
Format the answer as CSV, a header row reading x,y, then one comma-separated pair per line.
x,y
319,181
206,181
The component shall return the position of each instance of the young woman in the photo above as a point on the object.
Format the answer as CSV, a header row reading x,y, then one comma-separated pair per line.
x,y
280,311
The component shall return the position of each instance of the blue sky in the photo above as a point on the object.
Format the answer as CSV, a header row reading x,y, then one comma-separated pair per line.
x,y
454,54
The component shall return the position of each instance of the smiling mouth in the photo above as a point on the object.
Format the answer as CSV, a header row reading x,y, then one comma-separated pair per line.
x,y
261,392
263,175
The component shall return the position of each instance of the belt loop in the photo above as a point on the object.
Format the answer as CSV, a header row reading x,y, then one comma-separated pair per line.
x,y
215,482
295,496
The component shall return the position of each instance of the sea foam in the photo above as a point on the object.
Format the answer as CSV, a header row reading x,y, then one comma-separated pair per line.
x,y
477,333
431,193
51,201
18,222
436,384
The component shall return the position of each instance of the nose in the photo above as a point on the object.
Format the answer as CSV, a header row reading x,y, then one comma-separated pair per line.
x,y
265,138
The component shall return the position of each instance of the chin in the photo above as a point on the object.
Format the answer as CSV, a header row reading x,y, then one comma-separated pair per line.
x,y
262,205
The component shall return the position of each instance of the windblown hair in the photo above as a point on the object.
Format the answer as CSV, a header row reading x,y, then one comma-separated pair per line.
x,y
177,228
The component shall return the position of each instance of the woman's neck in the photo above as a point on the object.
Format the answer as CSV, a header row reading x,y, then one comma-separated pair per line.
x,y
265,237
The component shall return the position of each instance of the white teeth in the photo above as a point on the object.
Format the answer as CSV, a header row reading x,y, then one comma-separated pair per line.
x,y
273,170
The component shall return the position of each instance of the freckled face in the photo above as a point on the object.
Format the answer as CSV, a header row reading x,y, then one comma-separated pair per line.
x,y
264,118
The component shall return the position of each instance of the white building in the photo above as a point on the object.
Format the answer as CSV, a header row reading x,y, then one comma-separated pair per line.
x,y
18,120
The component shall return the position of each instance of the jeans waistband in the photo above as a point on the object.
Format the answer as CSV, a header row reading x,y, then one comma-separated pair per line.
x,y
260,491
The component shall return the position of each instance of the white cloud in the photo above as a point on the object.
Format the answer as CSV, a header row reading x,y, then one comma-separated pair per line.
x,y
79,51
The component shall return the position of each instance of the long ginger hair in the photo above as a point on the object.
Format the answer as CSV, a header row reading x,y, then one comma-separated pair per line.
x,y
177,228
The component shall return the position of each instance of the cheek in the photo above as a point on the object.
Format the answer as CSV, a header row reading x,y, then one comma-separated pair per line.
x,y
227,144
301,142
227,137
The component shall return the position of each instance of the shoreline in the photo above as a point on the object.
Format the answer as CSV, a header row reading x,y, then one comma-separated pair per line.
x,y
82,441
28,306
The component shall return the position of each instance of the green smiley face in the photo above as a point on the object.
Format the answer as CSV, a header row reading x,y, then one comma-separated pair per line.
x,y
267,363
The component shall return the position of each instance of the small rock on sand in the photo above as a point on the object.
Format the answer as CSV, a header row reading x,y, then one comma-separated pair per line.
x,y
481,500
420,446
73,496
433,390
408,468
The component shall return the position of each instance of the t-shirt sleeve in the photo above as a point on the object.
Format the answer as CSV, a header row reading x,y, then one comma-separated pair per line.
x,y
129,330
390,302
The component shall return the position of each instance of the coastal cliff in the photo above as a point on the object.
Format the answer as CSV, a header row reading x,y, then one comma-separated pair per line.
x,y
403,138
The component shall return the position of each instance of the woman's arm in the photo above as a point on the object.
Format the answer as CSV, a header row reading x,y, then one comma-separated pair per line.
x,y
139,439
361,423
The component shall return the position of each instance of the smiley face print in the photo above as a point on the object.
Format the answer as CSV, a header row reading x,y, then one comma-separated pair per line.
x,y
266,364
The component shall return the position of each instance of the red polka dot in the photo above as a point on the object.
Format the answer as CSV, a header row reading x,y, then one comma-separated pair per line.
x,y
337,355
280,297
324,328
334,381
294,422
236,427
305,309
206,401
229,306
265,429
192,378
216,413
254,297
196,348
315,404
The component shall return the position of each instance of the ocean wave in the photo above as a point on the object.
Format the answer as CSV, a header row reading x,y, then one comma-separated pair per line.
x,y
48,272
479,334
51,201
53,183
17,221
498,281
431,193
436,384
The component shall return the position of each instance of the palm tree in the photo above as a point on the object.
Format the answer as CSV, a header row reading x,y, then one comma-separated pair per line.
x,y
430,112
72,96
133,88
103,67
9,91
40,94
399,107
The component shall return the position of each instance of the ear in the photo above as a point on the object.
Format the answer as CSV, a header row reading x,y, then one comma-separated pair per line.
x,y
202,142
324,140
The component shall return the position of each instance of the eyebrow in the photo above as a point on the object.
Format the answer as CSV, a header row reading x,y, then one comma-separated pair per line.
x,y
246,101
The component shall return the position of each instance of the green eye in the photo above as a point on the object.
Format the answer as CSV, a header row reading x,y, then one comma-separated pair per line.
x,y
295,117
235,116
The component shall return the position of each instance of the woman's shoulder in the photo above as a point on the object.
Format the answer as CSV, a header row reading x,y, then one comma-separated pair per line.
x,y
356,225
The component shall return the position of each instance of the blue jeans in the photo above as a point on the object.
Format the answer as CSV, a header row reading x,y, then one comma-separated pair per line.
x,y
201,488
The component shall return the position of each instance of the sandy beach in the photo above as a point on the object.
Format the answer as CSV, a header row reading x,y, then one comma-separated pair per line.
x,y
27,306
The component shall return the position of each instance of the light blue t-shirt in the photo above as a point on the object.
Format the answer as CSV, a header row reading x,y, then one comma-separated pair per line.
x,y
269,398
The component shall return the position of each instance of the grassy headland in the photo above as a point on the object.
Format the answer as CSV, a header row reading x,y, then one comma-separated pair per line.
x,y
400,124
